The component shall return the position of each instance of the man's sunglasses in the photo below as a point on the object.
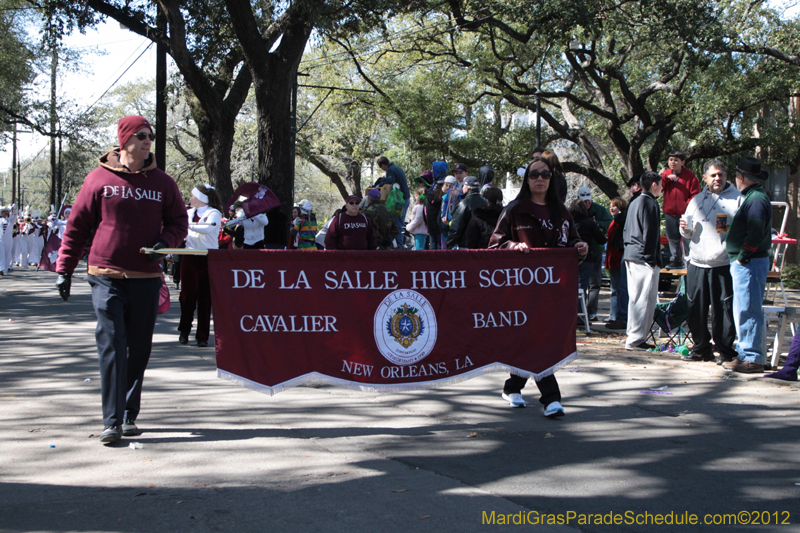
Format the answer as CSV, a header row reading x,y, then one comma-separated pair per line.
x,y
142,136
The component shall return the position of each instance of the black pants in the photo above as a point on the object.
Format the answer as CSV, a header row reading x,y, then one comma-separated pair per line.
x,y
195,294
126,317
711,287
548,387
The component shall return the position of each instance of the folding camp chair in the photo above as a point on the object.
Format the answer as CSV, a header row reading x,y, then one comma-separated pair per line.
x,y
583,311
670,318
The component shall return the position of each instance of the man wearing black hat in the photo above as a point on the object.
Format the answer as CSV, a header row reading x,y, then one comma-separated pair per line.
x,y
635,186
748,243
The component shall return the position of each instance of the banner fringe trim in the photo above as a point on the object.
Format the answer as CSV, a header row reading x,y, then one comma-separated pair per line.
x,y
315,378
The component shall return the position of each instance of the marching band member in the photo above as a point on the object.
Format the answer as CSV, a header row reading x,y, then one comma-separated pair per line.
x,y
21,242
205,217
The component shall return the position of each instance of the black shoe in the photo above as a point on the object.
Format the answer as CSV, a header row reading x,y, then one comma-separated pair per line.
x,y
183,339
110,435
129,428
694,356
202,344
616,324
675,265
643,346
721,359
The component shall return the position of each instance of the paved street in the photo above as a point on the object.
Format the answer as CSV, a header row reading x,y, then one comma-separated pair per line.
x,y
218,457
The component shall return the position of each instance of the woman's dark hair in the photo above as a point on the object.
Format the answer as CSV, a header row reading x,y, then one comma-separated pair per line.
x,y
494,197
436,193
578,208
551,197
213,197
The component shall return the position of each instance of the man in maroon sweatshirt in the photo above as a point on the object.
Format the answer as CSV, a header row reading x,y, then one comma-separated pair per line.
x,y
128,204
351,230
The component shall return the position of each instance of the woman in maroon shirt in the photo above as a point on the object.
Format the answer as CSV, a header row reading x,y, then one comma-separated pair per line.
x,y
536,218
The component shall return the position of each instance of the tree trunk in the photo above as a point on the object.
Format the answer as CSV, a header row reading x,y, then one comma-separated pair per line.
x,y
273,56
216,139
273,97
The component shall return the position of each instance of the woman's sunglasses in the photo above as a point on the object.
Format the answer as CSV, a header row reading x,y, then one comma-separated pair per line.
x,y
545,174
142,136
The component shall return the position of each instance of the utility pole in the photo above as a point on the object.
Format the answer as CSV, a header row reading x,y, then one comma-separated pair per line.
x,y
53,168
60,177
14,166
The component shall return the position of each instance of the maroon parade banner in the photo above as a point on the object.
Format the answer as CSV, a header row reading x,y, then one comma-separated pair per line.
x,y
50,253
385,320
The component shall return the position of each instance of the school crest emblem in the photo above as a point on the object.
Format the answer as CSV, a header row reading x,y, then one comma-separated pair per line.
x,y
405,327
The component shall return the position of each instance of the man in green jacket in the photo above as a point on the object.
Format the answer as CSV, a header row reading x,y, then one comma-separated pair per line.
x,y
748,243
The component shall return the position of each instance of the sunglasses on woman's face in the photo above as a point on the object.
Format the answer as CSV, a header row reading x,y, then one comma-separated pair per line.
x,y
352,203
544,174
142,136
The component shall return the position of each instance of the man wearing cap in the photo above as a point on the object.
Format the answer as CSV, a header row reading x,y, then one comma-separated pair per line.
x,y
351,230
127,204
383,223
748,244
395,174
708,272
453,197
472,200
460,172
603,219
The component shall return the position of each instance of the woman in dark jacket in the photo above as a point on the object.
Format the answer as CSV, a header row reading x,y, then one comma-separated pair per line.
x,y
433,208
484,219
536,219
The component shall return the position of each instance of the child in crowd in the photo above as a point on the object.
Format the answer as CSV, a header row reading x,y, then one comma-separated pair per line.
x,y
418,226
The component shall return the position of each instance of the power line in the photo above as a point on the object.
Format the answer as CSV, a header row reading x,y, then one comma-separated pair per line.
x,y
117,80
98,99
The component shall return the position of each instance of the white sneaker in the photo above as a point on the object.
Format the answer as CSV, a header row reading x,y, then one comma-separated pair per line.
x,y
553,410
514,399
